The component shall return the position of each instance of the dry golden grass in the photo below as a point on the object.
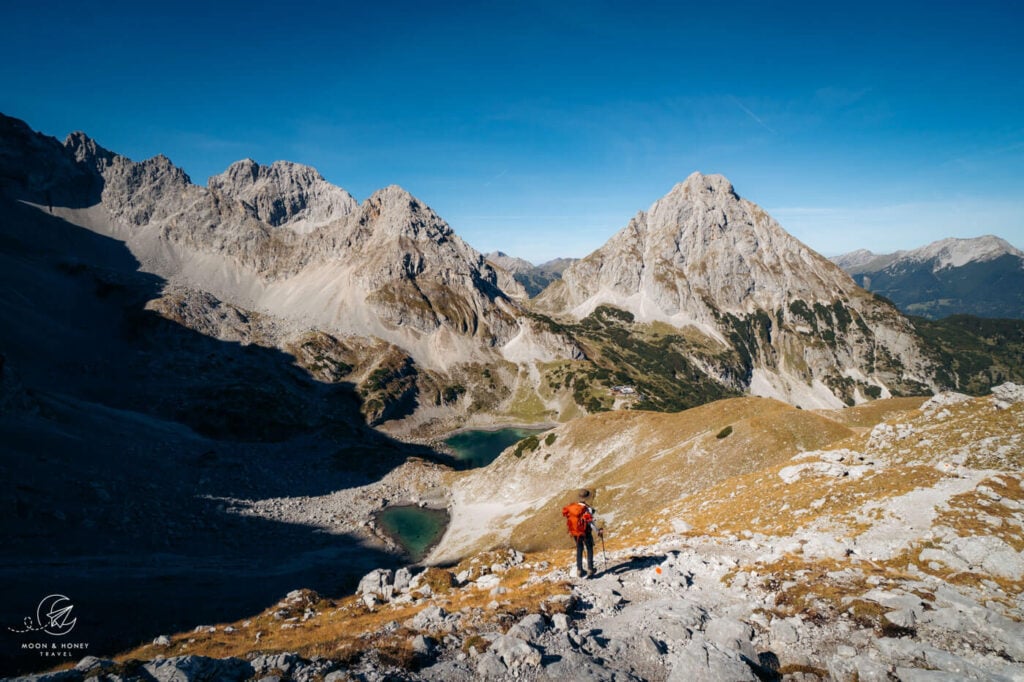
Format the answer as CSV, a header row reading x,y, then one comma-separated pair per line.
x,y
818,590
800,668
345,629
664,457
976,514
874,412
762,502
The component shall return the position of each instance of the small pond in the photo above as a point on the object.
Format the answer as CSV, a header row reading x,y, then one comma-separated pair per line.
x,y
416,529
480,448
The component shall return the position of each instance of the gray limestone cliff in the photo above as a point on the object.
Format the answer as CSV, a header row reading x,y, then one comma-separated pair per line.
x,y
702,257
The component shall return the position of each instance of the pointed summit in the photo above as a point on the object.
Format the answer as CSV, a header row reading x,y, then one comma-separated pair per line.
x,y
85,149
704,258
394,212
699,184
701,242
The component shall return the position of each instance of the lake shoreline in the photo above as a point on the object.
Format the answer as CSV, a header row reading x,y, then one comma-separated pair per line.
x,y
397,529
475,448
540,426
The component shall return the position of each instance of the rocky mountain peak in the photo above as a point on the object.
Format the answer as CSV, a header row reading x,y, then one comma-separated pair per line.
x,y
86,150
954,252
510,263
394,196
38,168
698,185
395,213
854,259
977,276
704,258
285,194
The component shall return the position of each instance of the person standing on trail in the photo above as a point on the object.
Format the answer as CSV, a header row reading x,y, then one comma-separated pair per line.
x,y
579,517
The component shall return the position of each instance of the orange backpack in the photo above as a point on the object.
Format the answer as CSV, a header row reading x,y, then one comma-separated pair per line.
x,y
578,518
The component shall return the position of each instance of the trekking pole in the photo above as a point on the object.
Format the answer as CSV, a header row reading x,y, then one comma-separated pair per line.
x,y
603,552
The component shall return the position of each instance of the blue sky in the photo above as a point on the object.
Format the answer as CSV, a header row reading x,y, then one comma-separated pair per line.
x,y
540,128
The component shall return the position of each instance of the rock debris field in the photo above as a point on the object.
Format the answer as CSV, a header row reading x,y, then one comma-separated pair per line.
x,y
662,612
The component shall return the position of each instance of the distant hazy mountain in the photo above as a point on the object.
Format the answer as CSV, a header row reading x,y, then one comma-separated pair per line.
x,y
982,276
533,278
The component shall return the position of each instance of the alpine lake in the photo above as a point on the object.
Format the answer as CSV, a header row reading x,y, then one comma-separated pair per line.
x,y
417,529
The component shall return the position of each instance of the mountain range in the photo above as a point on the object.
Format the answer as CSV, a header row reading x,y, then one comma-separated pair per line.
x,y
383,294
533,278
982,276
208,392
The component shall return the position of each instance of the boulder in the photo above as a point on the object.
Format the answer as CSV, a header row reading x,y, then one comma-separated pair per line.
x,y
422,646
579,667
1008,394
375,582
90,663
430,618
730,634
286,663
701,661
199,669
869,670
486,582
489,665
991,554
783,632
905,618
403,577
529,628
514,652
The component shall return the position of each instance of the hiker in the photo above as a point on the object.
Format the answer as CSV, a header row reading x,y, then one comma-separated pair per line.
x,y
580,520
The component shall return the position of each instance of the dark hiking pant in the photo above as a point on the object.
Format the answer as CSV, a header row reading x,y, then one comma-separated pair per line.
x,y
588,542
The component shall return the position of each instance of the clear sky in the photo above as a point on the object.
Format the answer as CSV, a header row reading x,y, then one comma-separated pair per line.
x,y
540,128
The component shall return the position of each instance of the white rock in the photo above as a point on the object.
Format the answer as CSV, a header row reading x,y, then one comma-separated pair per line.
x,y
422,646
486,582
701,661
1008,394
529,628
515,652
942,400
731,634
783,631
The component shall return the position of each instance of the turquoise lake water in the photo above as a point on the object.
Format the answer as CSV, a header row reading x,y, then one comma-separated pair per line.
x,y
480,448
415,529
418,530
